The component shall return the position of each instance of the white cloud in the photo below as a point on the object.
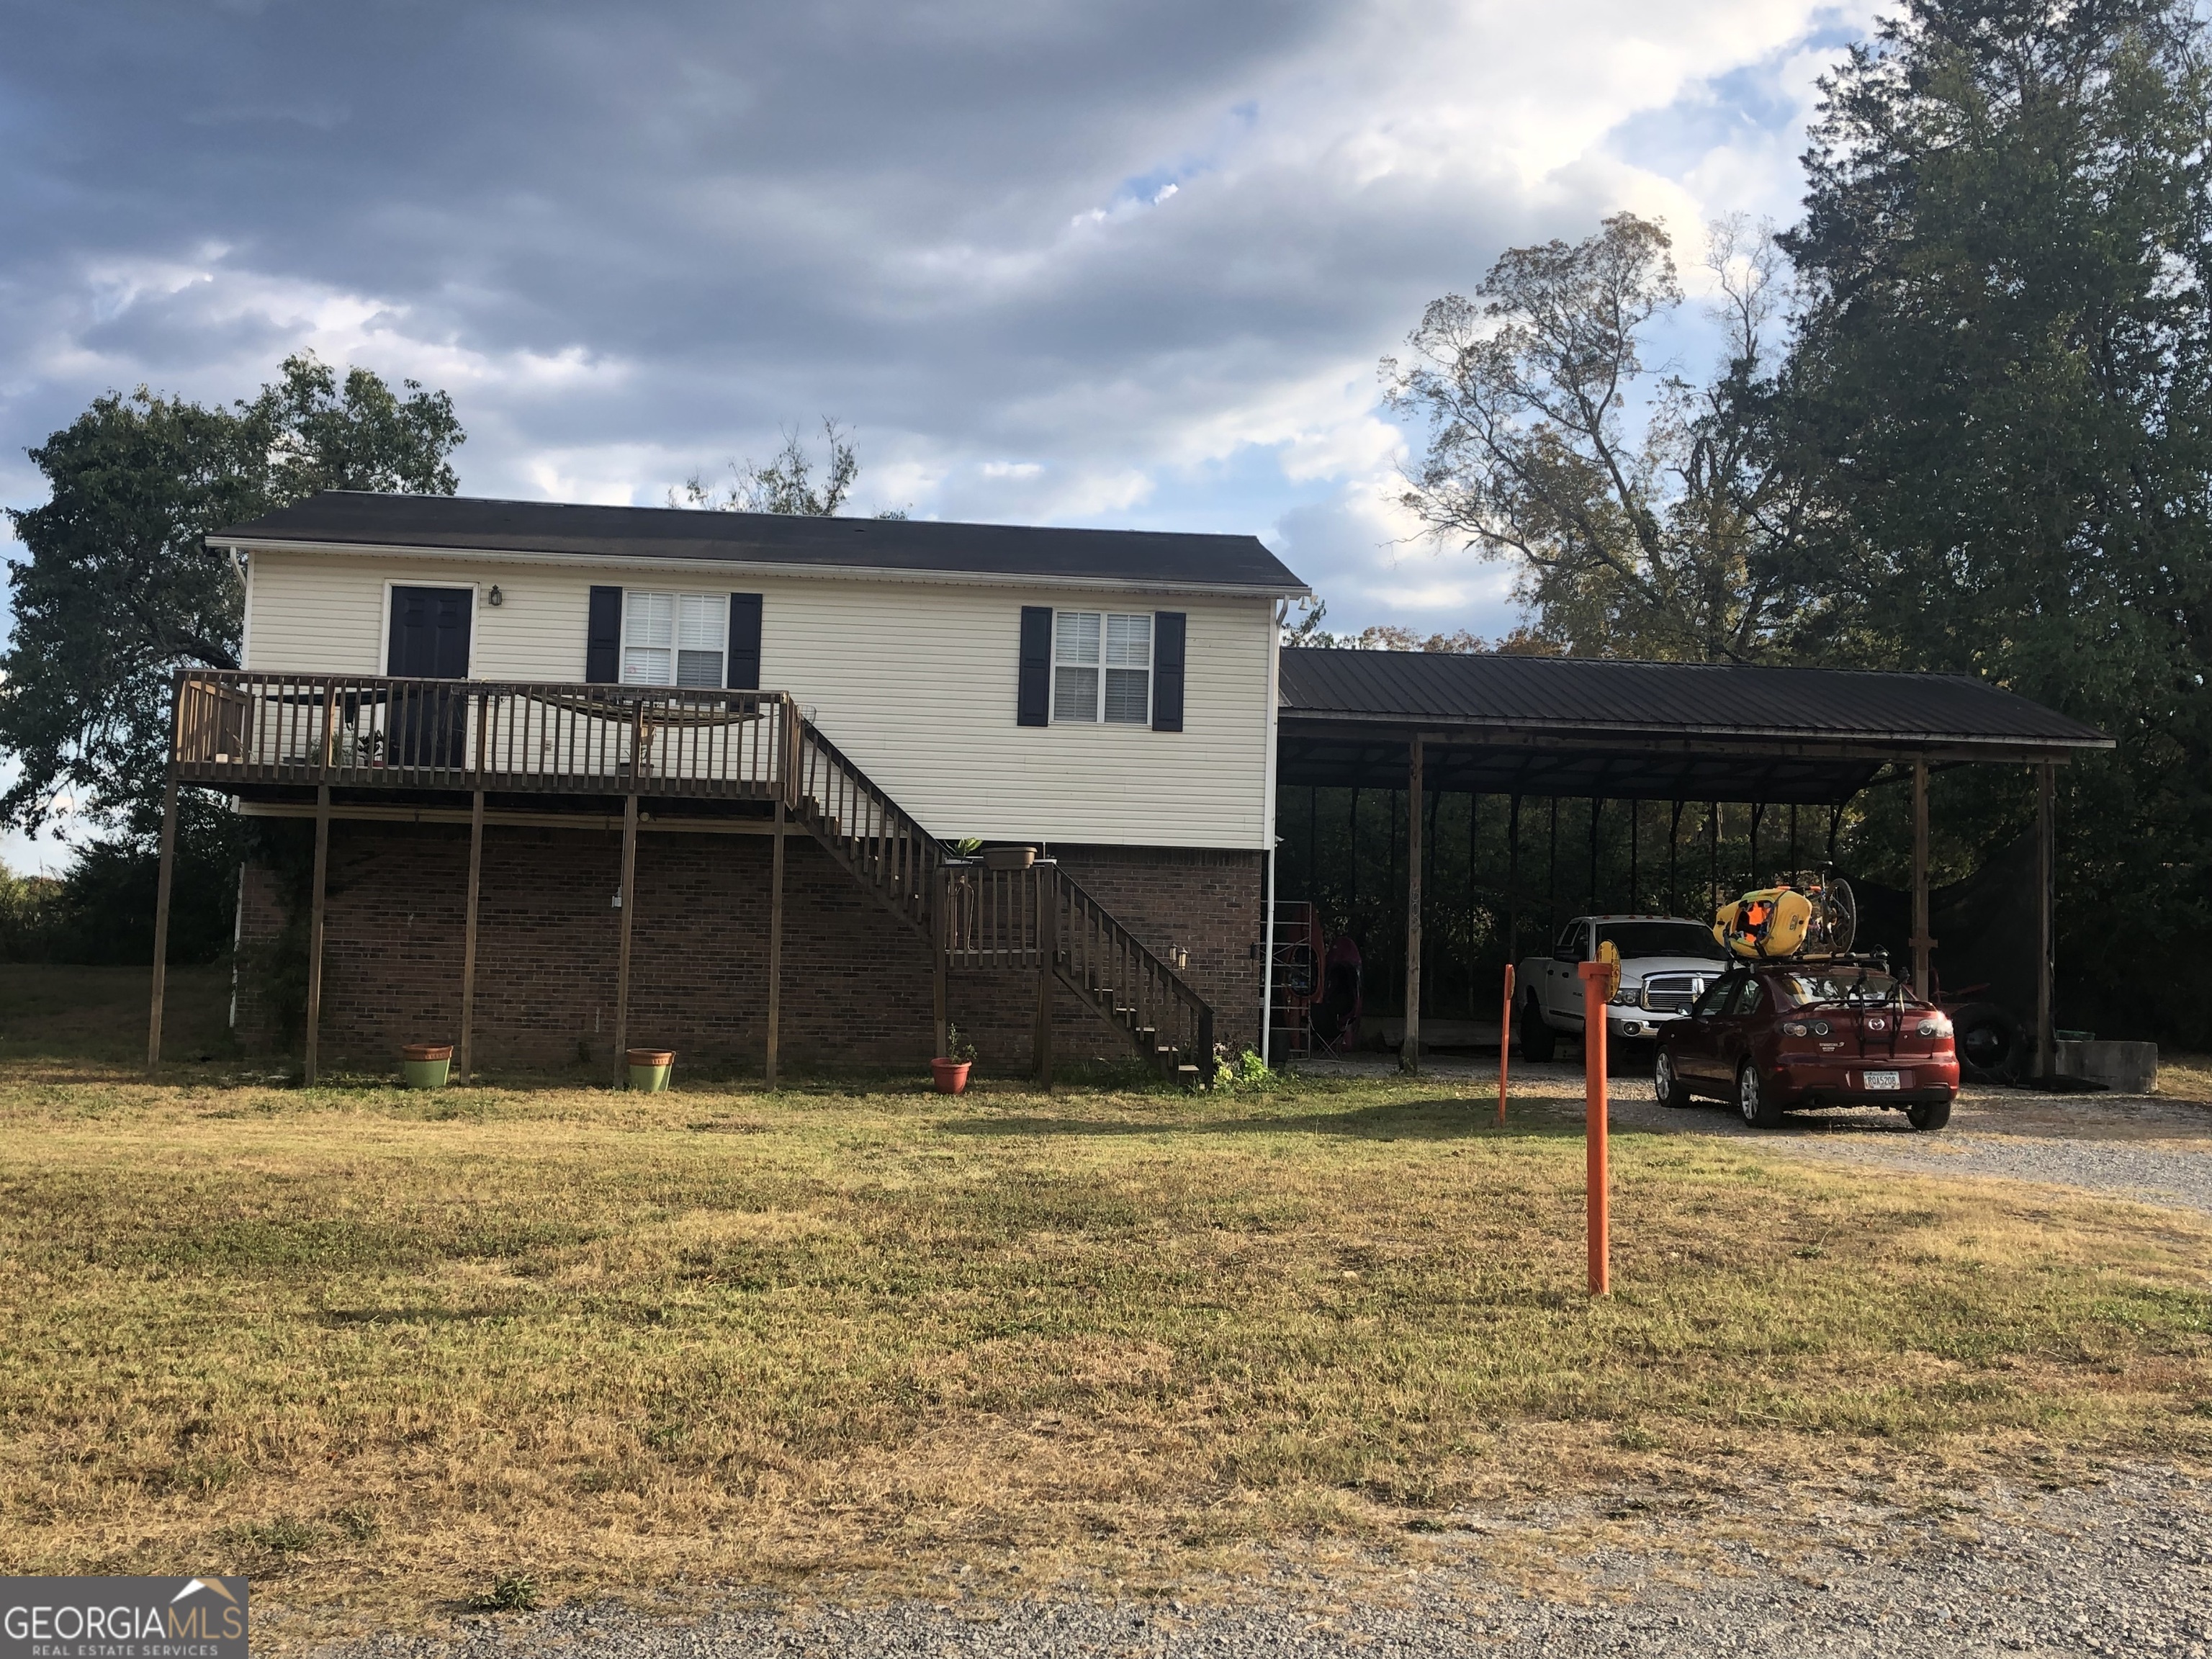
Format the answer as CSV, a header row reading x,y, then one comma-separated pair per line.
x,y
1126,263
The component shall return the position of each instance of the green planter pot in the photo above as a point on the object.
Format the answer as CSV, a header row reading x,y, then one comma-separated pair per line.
x,y
649,1068
426,1065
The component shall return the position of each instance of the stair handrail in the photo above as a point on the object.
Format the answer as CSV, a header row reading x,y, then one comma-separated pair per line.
x,y
906,857
1095,950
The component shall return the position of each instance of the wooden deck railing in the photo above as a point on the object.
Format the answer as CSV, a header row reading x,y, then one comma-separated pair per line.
x,y
1017,918
880,841
239,726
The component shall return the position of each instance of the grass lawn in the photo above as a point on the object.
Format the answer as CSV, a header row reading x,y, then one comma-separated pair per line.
x,y
381,1347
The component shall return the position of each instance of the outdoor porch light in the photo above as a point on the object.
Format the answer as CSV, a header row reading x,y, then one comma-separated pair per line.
x,y
496,597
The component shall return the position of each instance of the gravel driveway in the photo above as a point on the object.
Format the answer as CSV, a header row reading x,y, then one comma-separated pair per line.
x,y
2141,1147
2123,1568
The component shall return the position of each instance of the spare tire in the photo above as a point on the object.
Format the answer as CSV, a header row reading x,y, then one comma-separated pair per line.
x,y
1991,1046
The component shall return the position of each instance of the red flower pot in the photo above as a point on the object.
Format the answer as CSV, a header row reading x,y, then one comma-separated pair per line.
x,y
951,1074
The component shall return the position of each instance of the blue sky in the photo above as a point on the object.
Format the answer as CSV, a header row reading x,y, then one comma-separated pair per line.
x,y
1087,261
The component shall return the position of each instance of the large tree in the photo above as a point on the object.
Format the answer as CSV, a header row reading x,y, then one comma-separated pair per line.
x,y
2003,376
119,589
1645,517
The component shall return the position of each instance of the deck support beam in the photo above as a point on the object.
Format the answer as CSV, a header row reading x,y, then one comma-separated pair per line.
x,y
627,894
776,948
1921,944
468,937
313,1069
161,918
2046,1053
1409,1052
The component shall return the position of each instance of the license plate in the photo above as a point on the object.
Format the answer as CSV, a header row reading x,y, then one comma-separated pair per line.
x,y
1881,1080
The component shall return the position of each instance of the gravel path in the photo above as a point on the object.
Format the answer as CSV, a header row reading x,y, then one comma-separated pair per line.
x,y
2123,1568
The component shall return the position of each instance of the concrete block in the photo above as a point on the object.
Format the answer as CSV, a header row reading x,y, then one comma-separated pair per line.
x,y
2131,1068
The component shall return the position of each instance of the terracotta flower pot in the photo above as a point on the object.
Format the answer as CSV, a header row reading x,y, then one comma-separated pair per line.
x,y
426,1065
649,1068
951,1074
1009,858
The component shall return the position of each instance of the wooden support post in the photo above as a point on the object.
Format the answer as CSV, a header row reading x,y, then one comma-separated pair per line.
x,y
1048,938
1504,1042
1409,1054
468,937
161,918
941,970
2046,1053
628,893
776,948
315,932
1597,991
1922,944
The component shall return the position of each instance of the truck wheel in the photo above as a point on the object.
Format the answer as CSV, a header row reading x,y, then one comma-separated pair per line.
x,y
1751,1101
1990,1042
1666,1086
1932,1116
1537,1039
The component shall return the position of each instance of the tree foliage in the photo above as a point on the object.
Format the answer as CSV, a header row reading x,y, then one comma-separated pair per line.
x,y
1646,520
2004,379
119,589
786,484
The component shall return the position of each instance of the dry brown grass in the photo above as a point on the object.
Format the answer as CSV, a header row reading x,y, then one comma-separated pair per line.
x,y
2185,1076
369,1345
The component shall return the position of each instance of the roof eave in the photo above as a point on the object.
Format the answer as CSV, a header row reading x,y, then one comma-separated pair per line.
x,y
1842,745
763,566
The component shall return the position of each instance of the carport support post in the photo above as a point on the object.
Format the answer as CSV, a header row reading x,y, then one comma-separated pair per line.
x,y
1597,991
161,918
315,932
627,893
1921,943
1409,1054
2045,862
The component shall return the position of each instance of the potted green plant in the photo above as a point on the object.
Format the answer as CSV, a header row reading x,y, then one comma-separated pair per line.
x,y
426,1065
649,1068
951,1067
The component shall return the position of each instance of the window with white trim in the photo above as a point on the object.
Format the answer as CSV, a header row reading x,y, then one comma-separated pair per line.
x,y
1102,667
674,639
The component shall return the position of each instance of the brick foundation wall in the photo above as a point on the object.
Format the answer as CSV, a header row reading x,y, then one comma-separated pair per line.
x,y
856,982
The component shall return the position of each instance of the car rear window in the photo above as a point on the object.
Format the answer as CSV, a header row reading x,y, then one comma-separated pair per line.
x,y
1661,938
1847,987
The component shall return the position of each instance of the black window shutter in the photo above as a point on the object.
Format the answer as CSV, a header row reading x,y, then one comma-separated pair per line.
x,y
1033,704
744,642
1167,670
603,638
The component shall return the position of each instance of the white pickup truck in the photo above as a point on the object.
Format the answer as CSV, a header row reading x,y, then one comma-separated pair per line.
x,y
1666,963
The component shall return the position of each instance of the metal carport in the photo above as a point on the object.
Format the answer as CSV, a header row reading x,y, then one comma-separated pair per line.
x,y
1575,727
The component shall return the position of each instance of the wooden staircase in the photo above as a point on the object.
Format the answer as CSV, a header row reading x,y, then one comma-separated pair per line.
x,y
977,918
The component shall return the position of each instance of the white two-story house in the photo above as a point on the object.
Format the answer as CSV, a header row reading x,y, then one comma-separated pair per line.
x,y
459,723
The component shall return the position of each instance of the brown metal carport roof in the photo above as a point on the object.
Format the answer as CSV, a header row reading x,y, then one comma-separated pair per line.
x,y
1571,726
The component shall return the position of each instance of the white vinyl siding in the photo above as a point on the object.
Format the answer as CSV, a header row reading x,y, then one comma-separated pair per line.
x,y
1102,668
916,680
673,639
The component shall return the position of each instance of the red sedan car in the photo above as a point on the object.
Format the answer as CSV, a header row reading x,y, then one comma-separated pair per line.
x,y
1769,1035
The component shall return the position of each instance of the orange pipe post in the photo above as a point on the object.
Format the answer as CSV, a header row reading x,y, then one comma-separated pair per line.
x,y
1597,991
1505,1043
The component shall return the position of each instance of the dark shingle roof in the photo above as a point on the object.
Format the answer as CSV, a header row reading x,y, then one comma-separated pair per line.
x,y
1600,700
914,546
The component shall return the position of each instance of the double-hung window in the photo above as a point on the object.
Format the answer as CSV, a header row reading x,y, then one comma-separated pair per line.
x,y
1102,667
674,639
